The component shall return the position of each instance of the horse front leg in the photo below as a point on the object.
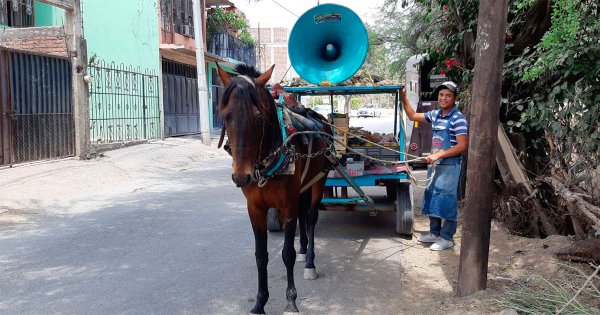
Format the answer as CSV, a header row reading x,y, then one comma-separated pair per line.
x,y
289,259
302,218
258,218
310,271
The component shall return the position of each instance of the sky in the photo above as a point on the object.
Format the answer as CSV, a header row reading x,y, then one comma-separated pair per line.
x,y
270,14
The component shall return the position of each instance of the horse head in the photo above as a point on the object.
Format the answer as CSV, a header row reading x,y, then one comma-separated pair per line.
x,y
248,113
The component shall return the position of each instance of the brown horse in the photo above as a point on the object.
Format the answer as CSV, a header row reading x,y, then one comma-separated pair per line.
x,y
250,120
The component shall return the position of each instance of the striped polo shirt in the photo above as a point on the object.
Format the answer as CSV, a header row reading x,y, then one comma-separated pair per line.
x,y
455,120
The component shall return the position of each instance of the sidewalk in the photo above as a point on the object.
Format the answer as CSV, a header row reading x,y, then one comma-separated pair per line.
x,y
71,186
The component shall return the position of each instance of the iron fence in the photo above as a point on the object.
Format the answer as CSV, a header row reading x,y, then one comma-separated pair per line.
x,y
124,103
37,113
17,13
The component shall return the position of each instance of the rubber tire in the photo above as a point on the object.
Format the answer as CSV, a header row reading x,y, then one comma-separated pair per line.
x,y
390,190
273,223
404,209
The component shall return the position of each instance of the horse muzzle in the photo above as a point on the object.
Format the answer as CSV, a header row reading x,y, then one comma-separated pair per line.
x,y
241,180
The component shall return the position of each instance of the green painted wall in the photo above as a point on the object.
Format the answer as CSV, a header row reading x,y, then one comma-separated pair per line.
x,y
47,15
123,32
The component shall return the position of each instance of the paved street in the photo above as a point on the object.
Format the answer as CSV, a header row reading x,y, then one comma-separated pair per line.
x,y
160,228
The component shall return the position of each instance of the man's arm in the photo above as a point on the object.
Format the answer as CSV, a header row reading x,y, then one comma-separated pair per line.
x,y
462,142
410,112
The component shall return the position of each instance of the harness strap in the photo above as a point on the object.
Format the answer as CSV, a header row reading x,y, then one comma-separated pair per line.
x,y
222,137
307,161
314,180
280,161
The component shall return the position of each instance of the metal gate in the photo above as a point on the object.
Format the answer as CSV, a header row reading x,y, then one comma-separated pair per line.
x,y
180,99
217,94
124,104
37,113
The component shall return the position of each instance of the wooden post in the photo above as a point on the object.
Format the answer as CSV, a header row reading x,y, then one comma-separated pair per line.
x,y
487,84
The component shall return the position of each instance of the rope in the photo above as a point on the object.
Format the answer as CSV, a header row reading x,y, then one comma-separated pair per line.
x,y
409,173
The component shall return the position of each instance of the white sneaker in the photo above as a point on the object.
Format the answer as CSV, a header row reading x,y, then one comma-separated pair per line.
x,y
429,238
441,245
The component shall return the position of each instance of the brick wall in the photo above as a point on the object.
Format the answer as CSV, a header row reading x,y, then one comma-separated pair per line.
x,y
273,50
46,40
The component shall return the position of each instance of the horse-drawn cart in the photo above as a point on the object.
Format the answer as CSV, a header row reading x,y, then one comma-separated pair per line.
x,y
385,170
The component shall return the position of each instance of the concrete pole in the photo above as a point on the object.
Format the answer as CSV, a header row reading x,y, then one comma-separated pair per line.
x,y
487,85
201,69
77,48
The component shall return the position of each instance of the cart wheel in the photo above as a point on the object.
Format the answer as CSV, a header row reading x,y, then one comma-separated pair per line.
x,y
273,223
390,190
404,209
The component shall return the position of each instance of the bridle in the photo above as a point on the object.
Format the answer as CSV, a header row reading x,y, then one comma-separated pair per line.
x,y
262,167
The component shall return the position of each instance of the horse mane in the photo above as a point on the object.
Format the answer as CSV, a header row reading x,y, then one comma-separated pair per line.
x,y
247,70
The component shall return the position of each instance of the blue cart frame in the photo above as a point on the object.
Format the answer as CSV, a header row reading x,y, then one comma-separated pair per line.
x,y
399,188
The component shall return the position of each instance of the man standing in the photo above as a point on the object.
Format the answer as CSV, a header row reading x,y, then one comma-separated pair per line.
x,y
448,141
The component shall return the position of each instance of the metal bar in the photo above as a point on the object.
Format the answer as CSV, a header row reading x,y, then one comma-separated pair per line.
x,y
144,106
335,162
396,113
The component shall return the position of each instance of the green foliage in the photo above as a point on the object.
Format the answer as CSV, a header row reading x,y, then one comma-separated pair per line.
x,y
556,83
574,23
229,21
355,103
377,59
552,87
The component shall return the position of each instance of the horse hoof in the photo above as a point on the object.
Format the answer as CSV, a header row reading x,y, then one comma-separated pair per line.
x,y
301,257
310,273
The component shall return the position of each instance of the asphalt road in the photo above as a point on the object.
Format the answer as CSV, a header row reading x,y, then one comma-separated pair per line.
x,y
161,229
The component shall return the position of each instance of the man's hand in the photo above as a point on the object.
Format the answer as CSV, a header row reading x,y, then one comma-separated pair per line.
x,y
410,112
403,94
430,159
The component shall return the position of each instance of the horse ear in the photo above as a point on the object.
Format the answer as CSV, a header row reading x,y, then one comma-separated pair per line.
x,y
262,80
223,75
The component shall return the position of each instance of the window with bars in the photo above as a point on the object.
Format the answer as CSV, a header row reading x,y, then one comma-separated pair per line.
x,y
16,13
177,16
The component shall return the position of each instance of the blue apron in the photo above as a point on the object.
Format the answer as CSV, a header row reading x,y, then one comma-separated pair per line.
x,y
439,199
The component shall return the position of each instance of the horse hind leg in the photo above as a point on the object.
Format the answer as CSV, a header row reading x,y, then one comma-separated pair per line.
x,y
259,226
289,259
304,204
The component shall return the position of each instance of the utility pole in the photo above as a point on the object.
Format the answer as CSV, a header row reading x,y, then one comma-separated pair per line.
x,y
77,49
201,71
260,66
487,85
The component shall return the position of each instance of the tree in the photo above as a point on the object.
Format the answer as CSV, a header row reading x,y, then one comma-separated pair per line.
x,y
551,88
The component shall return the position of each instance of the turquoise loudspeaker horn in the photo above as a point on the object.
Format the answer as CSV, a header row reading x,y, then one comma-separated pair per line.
x,y
328,43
